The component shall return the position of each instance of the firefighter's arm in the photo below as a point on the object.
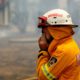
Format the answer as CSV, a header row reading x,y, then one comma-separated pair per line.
x,y
43,55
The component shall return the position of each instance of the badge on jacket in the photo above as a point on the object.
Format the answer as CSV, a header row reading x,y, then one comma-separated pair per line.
x,y
52,61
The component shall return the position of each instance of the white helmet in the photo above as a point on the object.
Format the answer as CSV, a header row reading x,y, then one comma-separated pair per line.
x,y
55,17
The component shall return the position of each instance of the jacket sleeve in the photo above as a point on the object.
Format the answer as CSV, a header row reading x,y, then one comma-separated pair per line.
x,y
43,58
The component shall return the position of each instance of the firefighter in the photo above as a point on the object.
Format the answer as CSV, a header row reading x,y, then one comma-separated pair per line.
x,y
59,55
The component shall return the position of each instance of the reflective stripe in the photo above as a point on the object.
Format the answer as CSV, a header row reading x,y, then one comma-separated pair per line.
x,y
46,72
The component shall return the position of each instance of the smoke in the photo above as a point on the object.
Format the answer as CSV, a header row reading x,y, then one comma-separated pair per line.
x,y
24,13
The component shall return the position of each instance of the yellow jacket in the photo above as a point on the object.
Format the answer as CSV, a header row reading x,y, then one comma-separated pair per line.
x,y
61,64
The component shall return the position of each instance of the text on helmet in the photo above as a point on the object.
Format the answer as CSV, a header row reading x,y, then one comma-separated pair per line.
x,y
55,15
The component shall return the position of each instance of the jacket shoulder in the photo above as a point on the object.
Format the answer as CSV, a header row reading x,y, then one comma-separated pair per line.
x,y
68,47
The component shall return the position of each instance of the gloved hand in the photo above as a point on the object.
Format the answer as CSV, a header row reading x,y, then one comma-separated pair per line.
x,y
43,44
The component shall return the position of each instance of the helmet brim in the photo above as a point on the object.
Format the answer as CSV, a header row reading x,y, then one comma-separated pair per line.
x,y
60,25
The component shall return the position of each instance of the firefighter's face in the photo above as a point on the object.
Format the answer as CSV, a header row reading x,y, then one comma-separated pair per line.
x,y
47,35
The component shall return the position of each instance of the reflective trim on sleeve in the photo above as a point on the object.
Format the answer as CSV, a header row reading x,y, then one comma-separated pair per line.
x,y
46,72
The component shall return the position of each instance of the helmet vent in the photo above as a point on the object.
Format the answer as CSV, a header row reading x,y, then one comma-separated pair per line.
x,y
55,22
54,17
66,20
